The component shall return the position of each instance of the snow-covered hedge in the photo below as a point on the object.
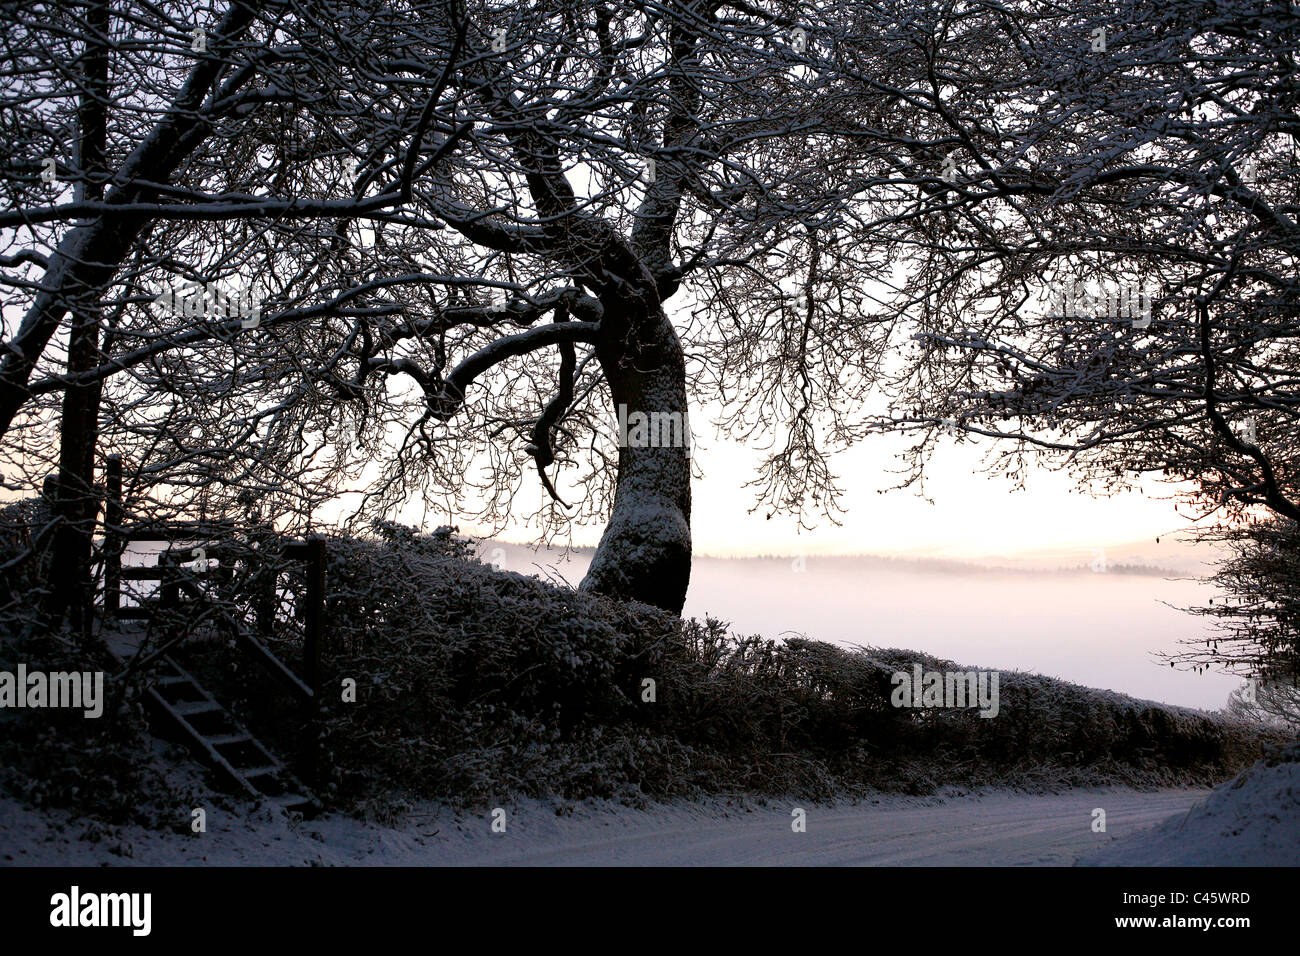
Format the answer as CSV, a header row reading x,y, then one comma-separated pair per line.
x,y
473,683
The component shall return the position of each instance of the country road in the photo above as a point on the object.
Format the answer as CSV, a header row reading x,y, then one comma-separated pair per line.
x,y
996,829
1001,830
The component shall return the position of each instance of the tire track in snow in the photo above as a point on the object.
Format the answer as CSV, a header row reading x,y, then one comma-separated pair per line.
x,y
992,830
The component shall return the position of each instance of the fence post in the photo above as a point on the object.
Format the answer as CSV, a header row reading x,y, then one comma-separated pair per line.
x,y
113,535
265,578
315,613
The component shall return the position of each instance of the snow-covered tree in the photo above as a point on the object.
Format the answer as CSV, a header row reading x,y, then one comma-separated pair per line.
x,y
482,230
1257,617
1130,306
120,118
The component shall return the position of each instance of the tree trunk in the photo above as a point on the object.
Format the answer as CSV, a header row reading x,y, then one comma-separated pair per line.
x,y
77,506
645,552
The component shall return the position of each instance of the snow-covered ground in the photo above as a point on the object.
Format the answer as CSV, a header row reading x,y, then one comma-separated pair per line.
x,y
997,828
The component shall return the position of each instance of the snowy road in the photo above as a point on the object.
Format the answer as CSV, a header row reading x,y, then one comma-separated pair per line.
x,y
998,830
994,829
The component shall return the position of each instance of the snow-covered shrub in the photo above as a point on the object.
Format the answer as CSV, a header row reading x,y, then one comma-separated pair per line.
x,y
23,524
473,682
1273,703
103,767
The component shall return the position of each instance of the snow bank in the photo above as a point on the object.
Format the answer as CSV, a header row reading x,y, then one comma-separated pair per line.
x,y
1253,820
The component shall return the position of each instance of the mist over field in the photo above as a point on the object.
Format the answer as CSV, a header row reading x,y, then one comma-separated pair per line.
x,y
1047,613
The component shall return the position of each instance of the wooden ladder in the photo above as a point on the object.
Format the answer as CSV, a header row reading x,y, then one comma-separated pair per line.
x,y
222,742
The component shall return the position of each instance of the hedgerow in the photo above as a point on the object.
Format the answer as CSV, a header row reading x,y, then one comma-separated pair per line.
x,y
475,682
